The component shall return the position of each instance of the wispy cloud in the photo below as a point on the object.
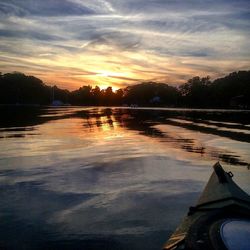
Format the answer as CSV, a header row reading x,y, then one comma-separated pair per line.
x,y
71,41
43,8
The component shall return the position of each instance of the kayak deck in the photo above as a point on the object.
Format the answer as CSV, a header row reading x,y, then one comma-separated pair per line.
x,y
222,198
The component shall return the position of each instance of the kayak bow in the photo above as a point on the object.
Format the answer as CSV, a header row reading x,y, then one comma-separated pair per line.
x,y
222,208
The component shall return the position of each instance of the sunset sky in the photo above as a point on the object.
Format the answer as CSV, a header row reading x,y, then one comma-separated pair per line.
x,y
72,43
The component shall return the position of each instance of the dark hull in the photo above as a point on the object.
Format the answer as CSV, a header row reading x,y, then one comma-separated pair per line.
x,y
222,199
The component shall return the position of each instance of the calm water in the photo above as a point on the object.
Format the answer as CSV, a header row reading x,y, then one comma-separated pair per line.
x,y
101,178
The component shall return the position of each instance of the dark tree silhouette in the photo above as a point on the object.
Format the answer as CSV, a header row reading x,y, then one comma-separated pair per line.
x,y
96,96
19,88
196,92
232,91
152,94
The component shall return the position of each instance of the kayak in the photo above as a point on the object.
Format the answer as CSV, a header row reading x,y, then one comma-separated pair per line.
x,y
220,219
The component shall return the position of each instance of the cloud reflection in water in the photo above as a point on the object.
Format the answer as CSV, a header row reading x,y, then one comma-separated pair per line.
x,y
109,178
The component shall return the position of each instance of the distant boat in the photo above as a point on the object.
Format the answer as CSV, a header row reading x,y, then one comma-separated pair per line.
x,y
220,220
57,103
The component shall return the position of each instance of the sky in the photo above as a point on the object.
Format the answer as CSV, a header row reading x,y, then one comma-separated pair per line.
x,y
116,43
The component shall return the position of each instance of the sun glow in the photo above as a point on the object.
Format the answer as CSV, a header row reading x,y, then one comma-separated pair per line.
x,y
106,73
103,87
105,76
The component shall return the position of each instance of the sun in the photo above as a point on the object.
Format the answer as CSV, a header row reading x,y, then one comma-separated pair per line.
x,y
105,77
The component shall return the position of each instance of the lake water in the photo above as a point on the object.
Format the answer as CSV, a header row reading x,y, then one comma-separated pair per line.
x,y
110,178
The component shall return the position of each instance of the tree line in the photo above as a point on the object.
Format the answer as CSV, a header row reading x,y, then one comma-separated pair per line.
x,y
231,91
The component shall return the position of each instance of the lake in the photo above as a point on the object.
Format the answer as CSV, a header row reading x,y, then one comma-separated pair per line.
x,y
110,178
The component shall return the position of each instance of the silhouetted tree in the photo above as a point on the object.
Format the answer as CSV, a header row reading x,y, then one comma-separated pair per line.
x,y
118,99
236,84
109,96
19,88
230,91
96,95
145,93
82,96
196,92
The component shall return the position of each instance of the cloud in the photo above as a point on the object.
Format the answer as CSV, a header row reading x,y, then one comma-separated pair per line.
x,y
97,6
43,8
34,35
155,39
